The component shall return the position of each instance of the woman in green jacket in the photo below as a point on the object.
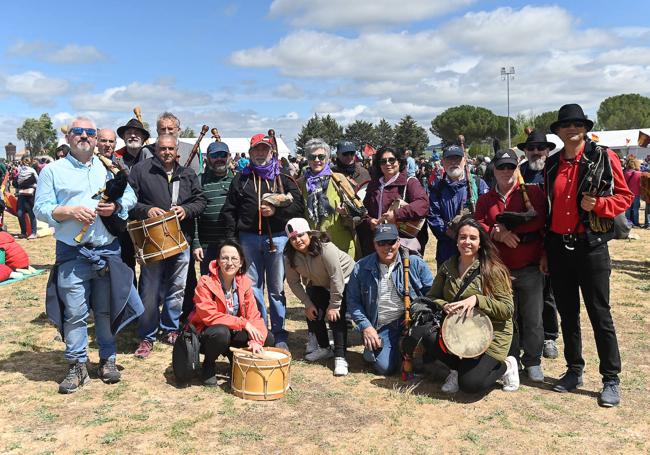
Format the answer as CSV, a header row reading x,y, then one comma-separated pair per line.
x,y
491,291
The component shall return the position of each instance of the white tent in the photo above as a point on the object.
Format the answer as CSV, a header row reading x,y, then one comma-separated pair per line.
x,y
623,141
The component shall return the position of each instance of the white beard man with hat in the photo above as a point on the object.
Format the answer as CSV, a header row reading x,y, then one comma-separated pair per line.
x,y
537,148
585,190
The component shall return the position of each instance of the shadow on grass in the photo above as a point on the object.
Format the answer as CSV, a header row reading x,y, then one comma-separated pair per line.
x,y
636,269
549,382
35,365
223,370
423,386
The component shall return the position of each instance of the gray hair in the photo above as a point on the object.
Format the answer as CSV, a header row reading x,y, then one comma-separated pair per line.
x,y
166,136
85,119
314,144
168,115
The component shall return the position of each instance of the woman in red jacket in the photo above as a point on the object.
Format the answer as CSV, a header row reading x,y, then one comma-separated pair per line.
x,y
225,312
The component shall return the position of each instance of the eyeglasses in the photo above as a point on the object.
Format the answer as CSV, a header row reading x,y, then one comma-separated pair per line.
x,y
350,153
320,157
218,154
570,123
540,148
77,131
386,242
385,161
509,167
226,259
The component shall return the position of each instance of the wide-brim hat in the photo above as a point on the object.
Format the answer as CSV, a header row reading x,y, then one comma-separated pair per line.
x,y
571,112
133,123
536,138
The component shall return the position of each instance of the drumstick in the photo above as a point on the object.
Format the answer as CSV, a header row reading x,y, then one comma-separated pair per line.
x,y
247,352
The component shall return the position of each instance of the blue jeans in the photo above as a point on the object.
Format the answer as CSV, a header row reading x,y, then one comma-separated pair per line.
x,y
387,358
632,213
209,254
162,281
264,266
81,288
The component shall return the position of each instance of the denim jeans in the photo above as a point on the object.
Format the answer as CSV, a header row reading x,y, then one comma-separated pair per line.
x,y
162,281
387,358
81,288
267,267
632,213
25,206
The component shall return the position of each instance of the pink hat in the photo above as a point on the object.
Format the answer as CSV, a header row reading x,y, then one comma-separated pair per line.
x,y
296,226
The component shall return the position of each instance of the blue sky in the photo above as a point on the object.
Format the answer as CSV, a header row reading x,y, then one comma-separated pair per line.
x,y
248,66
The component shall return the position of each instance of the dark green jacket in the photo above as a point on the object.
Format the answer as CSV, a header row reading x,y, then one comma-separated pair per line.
x,y
210,226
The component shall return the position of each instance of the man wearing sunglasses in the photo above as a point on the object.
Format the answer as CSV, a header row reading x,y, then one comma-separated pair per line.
x,y
88,273
375,293
519,239
537,149
347,164
585,187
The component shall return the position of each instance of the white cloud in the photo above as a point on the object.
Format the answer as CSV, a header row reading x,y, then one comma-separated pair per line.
x,y
69,54
288,91
34,87
328,14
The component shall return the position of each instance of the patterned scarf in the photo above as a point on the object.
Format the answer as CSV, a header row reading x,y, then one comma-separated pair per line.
x,y
318,206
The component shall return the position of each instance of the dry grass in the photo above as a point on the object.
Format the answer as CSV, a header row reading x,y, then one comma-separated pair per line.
x,y
360,413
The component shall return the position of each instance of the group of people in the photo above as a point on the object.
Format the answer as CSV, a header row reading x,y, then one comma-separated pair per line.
x,y
349,243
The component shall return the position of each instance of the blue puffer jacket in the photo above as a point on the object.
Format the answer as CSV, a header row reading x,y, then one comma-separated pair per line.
x,y
361,290
446,199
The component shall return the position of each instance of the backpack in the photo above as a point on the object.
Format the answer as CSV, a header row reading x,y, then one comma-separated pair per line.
x,y
185,354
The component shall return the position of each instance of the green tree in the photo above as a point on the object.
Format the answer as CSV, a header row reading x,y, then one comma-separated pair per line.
x,y
326,128
475,123
38,134
187,132
360,132
543,121
384,134
410,135
332,131
624,112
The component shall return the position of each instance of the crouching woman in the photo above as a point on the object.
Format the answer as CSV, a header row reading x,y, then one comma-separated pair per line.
x,y
225,311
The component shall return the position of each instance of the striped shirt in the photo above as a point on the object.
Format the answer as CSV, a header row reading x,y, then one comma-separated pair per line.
x,y
389,302
210,228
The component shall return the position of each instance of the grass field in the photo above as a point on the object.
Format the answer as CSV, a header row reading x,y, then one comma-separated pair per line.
x,y
361,413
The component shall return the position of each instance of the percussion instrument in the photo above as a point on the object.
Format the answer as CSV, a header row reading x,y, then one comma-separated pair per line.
x,y
261,379
157,238
467,336
361,190
645,187
410,228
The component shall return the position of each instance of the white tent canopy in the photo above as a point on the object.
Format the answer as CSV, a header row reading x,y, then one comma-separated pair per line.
x,y
623,141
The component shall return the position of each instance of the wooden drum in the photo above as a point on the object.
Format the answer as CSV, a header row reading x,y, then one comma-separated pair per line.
x,y
157,238
645,187
261,379
467,336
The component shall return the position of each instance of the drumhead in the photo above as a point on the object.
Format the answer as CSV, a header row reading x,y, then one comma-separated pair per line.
x,y
361,190
467,337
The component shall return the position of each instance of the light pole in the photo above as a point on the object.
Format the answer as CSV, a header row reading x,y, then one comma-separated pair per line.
x,y
507,75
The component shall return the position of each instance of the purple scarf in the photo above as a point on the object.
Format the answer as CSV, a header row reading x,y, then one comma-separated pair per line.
x,y
268,172
312,179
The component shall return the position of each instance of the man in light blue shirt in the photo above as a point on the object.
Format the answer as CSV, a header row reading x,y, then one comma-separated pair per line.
x,y
88,273
411,165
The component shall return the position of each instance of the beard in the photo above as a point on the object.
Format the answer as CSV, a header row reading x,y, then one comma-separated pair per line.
x,y
537,164
82,147
455,172
134,143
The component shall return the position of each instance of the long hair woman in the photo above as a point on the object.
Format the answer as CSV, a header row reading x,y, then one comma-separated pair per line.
x,y
632,174
225,311
309,257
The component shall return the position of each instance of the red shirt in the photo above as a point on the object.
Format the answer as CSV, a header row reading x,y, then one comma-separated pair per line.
x,y
490,204
564,213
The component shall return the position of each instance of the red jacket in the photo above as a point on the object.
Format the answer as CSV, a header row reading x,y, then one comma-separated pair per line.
x,y
210,307
528,252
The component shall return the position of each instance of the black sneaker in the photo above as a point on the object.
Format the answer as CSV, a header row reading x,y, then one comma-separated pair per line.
x,y
107,371
77,377
610,395
209,374
569,382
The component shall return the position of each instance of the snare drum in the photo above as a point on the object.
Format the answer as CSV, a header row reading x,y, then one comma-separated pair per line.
x,y
261,379
157,238
467,336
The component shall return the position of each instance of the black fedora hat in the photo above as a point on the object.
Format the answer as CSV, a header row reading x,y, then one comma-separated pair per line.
x,y
536,138
133,123
571,112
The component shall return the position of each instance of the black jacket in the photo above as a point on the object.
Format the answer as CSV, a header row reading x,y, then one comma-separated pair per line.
x,y
240,209
152,188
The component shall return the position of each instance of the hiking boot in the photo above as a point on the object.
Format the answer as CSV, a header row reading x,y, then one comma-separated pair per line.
x,y
144,349
451,383
569,382
169,337
535,373
319,354
312,343
610,395
209,374
550,349
510,378
76,378
107,371
340,366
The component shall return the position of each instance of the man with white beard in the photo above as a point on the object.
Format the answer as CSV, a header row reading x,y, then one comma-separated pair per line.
x,y
448,198
537,149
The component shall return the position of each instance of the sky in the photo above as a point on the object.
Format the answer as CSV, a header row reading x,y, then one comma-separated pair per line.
x,y
248,66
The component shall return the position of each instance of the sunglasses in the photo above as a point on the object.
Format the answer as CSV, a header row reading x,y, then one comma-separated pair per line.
x,y
348,153
386,242
320,157
570,123
218,154
539,148
77,131
509,167
385,161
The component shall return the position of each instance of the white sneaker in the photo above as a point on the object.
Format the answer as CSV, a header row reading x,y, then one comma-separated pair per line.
x,y
451,383
312,343
319,354
510,378
340,366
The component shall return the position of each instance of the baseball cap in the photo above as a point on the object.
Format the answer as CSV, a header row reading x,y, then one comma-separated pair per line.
x,y
260,139
296,226
345,146
217,146
386,232
505,157
452,150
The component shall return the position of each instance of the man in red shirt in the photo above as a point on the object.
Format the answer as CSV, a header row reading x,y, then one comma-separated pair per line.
x,y
585,190
520,243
